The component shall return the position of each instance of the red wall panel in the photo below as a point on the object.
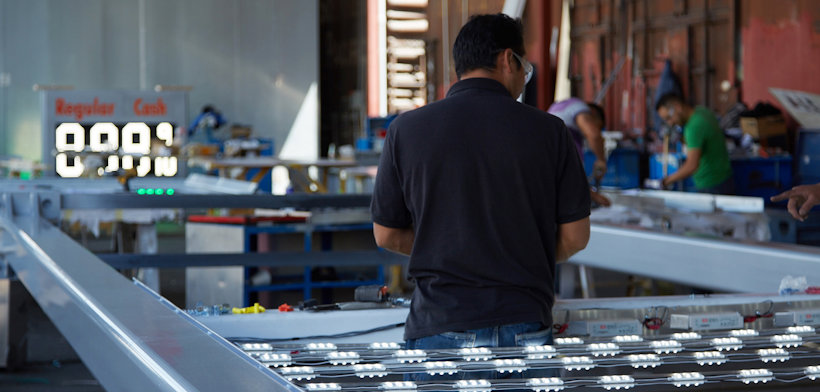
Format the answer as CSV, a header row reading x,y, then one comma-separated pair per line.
x,y
781,47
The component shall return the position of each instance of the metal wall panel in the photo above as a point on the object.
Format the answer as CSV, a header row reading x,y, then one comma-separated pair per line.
x,y
781,47
73,43
214,285
254,60
751,44
3,78
120,45
696,35
446,18
284,61
24,59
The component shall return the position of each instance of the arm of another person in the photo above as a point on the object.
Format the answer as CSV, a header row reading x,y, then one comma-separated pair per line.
x,y
395,240
592,132
573,201
687,170
572,238
801,200
599,199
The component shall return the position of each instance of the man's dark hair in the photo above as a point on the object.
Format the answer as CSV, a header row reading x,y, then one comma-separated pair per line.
x,y
482,38
597,110
668,99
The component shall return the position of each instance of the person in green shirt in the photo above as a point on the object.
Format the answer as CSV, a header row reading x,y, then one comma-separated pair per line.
x,y
707,160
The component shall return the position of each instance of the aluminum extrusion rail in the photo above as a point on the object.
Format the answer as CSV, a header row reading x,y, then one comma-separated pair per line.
x,y
269,259
709,263
132,200
128,339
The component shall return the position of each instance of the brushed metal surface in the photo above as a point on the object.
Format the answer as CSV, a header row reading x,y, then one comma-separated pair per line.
x,y
127,338
214,285
709,263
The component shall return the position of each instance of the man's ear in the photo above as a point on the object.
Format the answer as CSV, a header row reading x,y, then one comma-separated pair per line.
x,y
503,62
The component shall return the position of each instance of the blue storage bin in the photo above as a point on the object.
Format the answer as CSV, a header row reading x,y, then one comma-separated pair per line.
x,y
623,168
808,157
375,128
762,177
673,163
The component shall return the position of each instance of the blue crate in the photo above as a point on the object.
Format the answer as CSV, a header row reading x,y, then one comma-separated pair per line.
x,y
762,177
673,163
623,168
808,157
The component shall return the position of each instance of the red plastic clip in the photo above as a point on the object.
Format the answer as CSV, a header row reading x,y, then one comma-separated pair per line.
x,y
753,317
653,323
285,308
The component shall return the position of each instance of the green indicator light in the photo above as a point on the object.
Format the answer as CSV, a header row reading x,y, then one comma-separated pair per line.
x,y
159,191
170,191
149,191
140,191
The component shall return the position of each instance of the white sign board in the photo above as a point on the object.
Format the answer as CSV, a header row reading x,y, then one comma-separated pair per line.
x,y
98,132
802,106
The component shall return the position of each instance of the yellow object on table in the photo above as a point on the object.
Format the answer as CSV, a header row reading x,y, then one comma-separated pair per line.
x,y
256,308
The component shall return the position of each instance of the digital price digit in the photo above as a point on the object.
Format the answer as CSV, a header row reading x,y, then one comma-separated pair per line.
x,y
69,137
165,132
69,171
104,137
113,163
165,166
136,139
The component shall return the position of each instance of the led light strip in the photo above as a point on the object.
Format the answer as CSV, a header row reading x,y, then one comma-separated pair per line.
x,y
791,337
520,359
608,382
691,379
343,357
603,349
340,359
410,356
644,360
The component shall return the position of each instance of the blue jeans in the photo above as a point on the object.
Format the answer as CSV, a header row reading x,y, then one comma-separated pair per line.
x,y
511,335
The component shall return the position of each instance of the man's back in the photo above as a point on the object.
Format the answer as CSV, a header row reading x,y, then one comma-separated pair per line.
x,y
568,109
480,176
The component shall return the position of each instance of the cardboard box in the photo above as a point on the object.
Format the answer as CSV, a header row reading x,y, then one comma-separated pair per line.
x,y
762,128
241,132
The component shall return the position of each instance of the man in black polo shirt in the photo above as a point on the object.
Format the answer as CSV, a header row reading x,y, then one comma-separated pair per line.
x,y
485,194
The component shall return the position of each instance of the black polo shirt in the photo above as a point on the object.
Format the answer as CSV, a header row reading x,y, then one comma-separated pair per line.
x,y
484,181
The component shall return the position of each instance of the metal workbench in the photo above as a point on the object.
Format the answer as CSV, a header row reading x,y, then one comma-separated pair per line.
x,y
132,339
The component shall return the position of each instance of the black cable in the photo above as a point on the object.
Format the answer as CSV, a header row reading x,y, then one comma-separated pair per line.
x,y
340,335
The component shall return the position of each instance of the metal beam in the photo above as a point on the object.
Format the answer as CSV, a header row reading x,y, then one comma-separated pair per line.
x,y
709,263
268,259
108,194
132,200
127,338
